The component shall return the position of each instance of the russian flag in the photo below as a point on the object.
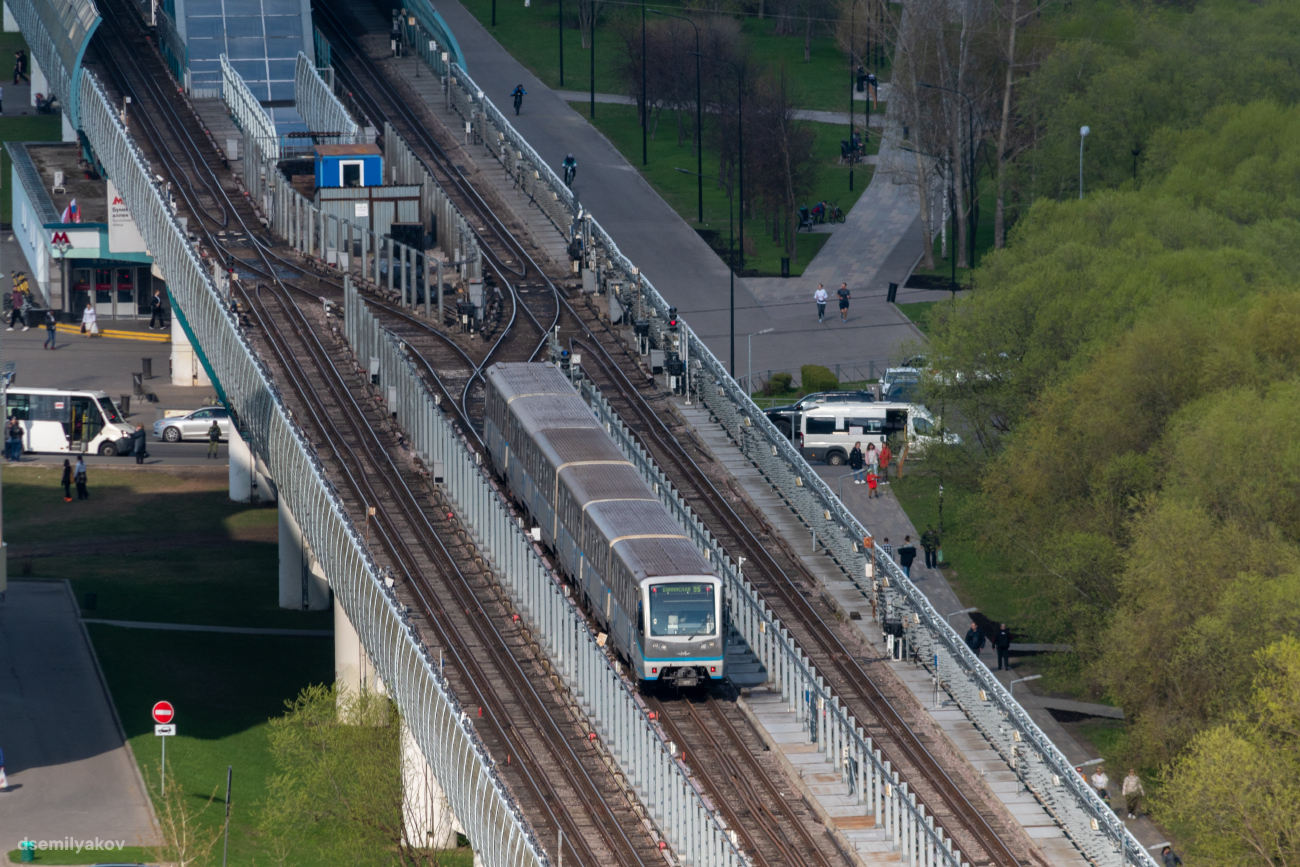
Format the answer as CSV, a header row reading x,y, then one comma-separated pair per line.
x,y
71,214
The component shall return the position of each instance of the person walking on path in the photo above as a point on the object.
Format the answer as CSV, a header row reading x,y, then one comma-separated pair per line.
x,y
887,548
855,463
50,329
1133,792
214,437
14,440
974,639
67,481
17,300
89,325
930,543
885,456
4,780
1101,783
871,485
139,447
20,67
156,309
1002,644
844,296
1170,858
906,554
820,297
79,476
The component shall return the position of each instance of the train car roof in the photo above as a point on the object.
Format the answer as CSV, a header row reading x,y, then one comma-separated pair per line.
x,y
543,412
516,378
579,445
589,483
663,558
627,518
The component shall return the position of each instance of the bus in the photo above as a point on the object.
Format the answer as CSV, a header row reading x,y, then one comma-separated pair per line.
x,y
79,422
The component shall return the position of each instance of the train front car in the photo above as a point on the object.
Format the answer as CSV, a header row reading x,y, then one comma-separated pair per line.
x,y
683,643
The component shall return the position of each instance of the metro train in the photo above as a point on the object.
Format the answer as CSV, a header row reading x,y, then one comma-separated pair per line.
x,y
643,580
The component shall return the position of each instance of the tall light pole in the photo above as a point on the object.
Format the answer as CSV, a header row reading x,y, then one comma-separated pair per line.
x,y
63,247
645,96
699,115
561,20
731,262
1083,134
749,375
970,165
853,74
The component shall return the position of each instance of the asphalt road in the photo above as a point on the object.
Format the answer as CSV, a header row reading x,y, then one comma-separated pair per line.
x,y
161,454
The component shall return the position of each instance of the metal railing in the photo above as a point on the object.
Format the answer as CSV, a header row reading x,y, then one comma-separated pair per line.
x,y
443,730
246,110
640,747
316,102
867,776
1041,767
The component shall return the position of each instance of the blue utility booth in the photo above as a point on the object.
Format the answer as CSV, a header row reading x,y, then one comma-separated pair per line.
x,y
349,165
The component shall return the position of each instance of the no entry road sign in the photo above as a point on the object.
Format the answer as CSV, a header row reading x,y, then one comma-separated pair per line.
x,y
163,712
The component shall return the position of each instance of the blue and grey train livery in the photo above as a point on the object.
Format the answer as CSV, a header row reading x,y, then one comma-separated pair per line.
x,y
643,580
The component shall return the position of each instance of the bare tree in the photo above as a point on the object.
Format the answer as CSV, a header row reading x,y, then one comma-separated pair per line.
x,y
187,839
783,167
588,16
1011,18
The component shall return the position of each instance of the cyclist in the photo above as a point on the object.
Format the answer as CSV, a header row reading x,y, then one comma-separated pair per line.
x,y
570,170
518,93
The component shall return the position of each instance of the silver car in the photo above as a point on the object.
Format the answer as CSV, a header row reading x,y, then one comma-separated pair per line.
x,y
193,425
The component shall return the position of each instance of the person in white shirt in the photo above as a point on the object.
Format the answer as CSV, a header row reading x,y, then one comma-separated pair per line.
x,y
820,297
1132,791
89,326
1101,783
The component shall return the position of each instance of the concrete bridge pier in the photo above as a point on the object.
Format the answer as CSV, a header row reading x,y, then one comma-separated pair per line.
x,y
353,671
302,580
427,817
248,478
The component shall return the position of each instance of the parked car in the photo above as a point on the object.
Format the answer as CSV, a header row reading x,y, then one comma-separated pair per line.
x,y
193,425
784,417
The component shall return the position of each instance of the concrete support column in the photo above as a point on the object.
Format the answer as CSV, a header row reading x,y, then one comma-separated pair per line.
x,y
186,368
427,817
353,671
302,584
39,82
241,468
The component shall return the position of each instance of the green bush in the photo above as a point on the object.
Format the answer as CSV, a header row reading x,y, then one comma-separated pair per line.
x,y
778,383
817,378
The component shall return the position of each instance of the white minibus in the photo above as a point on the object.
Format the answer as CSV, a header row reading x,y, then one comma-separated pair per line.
x,y
827,433
58,420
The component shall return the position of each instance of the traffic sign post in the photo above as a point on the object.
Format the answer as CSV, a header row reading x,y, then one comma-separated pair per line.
x,y
163,714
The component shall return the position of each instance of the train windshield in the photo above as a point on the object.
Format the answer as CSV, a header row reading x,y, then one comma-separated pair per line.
x,y
682,609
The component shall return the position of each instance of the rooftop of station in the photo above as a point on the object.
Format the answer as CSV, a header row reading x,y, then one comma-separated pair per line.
x,y
42,161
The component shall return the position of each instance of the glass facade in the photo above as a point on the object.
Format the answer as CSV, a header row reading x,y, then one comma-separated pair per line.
x,y
261,38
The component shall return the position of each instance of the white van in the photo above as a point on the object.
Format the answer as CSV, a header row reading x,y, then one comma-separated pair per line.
x,y
55,420
827,433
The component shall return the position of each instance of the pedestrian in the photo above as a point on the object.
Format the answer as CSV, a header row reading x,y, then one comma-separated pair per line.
x,y
873,457
1002,644
16,308
855,463
67,481
1133,793
1170,858
906,554
887,548
214,437
974,639
139,446
872,481
79,476
1101,783
20,66
820,297
930,543
50,329
2,92
156,309
14,440
844,296
88,321
4,780
885,456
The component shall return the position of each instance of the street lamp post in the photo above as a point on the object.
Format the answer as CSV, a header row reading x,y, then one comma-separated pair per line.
x,y
645,96
749,373
963,611
1083,134
561,20
1012,685
853,74
699,115
63,247
731,261
970,166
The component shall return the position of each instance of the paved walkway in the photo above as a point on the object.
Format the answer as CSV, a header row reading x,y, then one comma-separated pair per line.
x,y
880,242
70,771
228,630
838,117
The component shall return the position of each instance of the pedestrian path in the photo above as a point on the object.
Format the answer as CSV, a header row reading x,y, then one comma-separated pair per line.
x,y
845,594
227,630
879,243
838,117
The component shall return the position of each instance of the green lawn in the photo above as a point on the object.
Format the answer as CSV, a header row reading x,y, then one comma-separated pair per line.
x,y
619,124
531,34
919,313
126,855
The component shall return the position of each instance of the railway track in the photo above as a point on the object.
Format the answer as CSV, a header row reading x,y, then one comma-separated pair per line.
x,y
527,725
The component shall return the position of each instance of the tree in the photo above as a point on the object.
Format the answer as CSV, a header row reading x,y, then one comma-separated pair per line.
x,y
187,838
1232,796
337,790
783,165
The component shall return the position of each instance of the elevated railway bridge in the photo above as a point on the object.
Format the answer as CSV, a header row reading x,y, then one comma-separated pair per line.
x,y
358,389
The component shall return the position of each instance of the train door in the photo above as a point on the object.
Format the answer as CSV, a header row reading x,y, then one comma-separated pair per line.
x,y
124,294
